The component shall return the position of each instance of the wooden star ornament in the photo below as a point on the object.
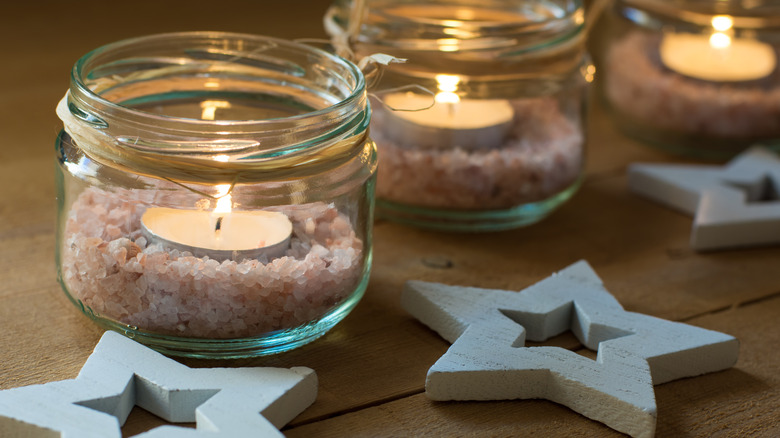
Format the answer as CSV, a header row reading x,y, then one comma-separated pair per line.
x,y
488,359
733,205
121,373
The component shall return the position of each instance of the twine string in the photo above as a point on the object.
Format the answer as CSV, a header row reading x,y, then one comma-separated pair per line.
x,y
185,162
405,88
372,66
342,38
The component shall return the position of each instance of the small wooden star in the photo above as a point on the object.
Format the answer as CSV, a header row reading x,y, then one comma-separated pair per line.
x,y
488,359
733,205
121,373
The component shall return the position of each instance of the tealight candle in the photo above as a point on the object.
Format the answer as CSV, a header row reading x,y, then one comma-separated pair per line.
x,y
709,90
235,235
717,57
221,234
450,122
482,128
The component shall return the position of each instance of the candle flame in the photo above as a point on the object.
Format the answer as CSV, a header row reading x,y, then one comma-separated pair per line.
x,y
448,85
224,200
722,23
720,40
447,82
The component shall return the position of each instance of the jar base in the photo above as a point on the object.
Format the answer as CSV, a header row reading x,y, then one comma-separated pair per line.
x,y
264,345
687,144
477,220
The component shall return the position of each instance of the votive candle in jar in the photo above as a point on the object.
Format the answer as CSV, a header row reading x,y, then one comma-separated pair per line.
x,y
695,77
215,192
483,127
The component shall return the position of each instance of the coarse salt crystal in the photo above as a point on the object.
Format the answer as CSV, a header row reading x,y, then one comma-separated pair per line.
x,y
160,290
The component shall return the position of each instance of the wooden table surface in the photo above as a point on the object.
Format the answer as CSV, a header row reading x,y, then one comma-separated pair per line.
x,y
372,366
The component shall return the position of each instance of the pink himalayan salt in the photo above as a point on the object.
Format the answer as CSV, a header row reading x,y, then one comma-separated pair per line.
x,y
640,86
542,157
167,292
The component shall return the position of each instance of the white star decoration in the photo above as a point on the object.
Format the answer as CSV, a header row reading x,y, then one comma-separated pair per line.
x,y
120,373
488,359
733,205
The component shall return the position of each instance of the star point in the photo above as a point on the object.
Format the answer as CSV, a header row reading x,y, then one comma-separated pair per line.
x,y
733,205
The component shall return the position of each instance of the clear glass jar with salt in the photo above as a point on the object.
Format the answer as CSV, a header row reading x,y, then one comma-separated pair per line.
x,y
215,192
694,77
483,127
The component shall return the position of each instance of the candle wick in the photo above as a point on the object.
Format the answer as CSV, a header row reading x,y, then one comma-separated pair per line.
x,y
218,226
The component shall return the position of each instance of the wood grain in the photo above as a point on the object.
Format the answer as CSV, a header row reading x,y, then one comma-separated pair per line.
x,y
372,366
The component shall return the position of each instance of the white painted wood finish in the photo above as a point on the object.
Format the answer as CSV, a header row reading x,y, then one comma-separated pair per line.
x,y
121,373
733,205
488,359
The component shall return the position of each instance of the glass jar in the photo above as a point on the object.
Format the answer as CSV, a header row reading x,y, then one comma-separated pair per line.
x,y
483,127
215,192
696,77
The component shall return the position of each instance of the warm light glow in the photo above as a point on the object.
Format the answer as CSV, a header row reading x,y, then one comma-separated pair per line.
x,y
222,158
448,44
450,23
448,85
722,23
210,107
447,82
719,57
224,200
446,97
720,40
465,14
211,84
590,73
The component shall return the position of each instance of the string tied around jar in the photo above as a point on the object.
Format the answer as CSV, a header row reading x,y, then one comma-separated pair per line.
x,y
341,38
373,65
196,153
344,26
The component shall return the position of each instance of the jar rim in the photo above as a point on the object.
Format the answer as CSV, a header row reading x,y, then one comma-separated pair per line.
x,y
198,150
755,15
475,25
82,91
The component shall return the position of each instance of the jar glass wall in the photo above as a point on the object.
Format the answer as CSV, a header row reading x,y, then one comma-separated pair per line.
x,y
215,192
483,126
697,77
